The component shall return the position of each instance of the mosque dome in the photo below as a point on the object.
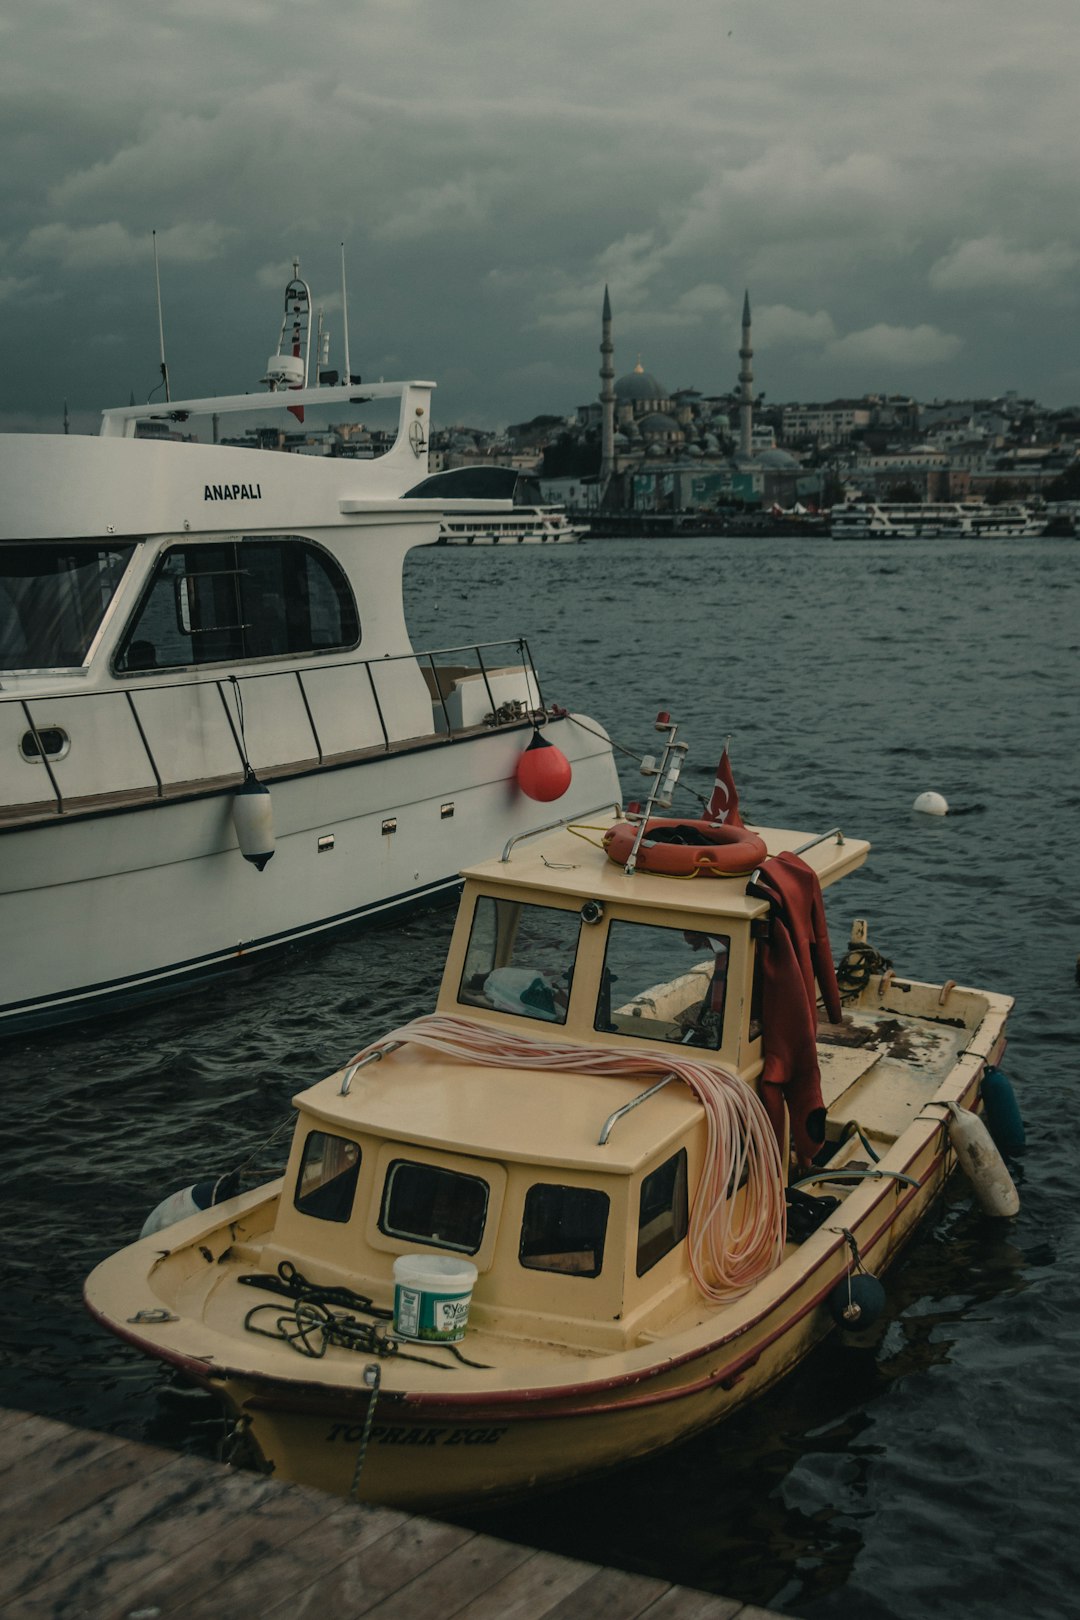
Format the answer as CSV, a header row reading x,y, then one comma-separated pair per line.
x,y
777,461
639,384
658,423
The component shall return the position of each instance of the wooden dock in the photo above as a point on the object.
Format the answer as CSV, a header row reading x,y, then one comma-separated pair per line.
x,y
93,1527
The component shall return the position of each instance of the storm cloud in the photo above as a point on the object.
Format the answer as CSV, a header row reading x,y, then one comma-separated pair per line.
x,y
897,186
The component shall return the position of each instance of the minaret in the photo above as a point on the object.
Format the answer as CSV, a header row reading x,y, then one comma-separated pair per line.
x,y
746,385
607,397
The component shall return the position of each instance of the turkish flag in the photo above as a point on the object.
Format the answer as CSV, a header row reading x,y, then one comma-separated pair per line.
x,y
724,800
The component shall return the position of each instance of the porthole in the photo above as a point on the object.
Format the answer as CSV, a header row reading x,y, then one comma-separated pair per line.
x,y
51,741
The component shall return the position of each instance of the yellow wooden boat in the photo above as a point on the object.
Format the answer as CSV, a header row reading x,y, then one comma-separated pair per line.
x,y
551,1227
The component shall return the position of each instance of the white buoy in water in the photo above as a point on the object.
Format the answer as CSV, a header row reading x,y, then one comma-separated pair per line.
x,y
981,1162
931,804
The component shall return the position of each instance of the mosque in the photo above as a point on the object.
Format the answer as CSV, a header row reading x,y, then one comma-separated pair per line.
x,y
677,452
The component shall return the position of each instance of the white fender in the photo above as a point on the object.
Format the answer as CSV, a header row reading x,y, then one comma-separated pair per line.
x,y
253,821
981,1162
177,1207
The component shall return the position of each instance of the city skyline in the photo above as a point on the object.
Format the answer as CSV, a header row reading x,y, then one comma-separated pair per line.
x,y
898,190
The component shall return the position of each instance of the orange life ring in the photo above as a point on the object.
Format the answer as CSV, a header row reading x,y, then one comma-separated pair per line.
x,y
719,851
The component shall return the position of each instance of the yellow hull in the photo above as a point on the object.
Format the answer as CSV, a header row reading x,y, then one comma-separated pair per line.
x,y
424,1453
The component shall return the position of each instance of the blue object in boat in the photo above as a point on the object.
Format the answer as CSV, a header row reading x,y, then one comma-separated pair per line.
x,y
1002,1112
856,1302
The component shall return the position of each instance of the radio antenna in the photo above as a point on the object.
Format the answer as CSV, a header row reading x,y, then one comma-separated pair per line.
x,y
161,326
345,318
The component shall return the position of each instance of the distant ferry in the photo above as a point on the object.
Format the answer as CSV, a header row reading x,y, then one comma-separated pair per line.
x,y
941,520
524,519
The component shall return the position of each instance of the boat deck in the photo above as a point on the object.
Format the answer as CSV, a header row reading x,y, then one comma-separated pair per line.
x,y
884,1067
91,1524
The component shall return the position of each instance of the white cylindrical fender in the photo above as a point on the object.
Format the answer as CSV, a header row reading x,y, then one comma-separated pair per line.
x,y
981,1162
177,1207
253,821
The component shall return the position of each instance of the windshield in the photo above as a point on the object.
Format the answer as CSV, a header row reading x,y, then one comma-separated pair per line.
x,y
53,597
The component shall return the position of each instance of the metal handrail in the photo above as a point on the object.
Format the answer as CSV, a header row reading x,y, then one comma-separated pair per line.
x,y
551,826
130,692
362,1063
635,1102
833,832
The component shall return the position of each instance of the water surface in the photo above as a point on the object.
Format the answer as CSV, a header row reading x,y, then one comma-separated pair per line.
x,y
930,1474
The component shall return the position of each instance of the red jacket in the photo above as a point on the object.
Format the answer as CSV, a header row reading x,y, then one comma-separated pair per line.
x,y
795,961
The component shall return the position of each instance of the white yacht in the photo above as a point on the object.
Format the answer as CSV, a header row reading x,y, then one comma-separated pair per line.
x,y
204,663
935,520
474,519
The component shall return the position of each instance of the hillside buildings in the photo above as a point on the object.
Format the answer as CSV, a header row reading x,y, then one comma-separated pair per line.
x,y
641,446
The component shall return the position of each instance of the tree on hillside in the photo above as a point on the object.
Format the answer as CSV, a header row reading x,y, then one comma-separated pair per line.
x,y
568,457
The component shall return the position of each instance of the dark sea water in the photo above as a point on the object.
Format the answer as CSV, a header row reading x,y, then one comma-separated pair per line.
x,y
934,1473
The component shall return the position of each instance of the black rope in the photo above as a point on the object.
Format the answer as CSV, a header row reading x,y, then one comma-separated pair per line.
x,y
858,965
312,1325
292,1284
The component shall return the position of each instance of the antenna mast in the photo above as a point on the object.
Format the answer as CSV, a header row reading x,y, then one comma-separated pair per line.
x,y
345,318
161,326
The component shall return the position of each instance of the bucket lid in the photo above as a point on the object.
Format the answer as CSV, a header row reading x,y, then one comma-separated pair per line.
x,y
434,1271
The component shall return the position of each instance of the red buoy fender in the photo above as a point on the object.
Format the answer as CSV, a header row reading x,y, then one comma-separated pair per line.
x,y
716,850
543,771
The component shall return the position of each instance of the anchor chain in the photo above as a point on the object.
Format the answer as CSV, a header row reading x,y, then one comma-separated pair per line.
x,y
373,1379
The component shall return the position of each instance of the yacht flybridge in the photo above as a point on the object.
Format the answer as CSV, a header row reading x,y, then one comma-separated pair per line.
x,y
622,1180
204,663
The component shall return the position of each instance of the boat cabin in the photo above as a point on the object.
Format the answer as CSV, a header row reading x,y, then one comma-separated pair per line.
x,y
568,1190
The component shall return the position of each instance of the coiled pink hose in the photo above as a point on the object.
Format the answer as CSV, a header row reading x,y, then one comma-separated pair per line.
x,y
733,1241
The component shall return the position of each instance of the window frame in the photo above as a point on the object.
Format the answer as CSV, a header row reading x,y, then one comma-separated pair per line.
x,y
472,1001
679,1209
601,1249
605,997
131,544
430,1241
335,571
352,1171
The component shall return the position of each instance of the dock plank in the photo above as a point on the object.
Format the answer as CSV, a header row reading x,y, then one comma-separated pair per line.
x,y
67,1477
612,1592
358,1582
348,1577
93,1527
687,1603
179,1584
86,1539
21,1435
446,1587
531,1590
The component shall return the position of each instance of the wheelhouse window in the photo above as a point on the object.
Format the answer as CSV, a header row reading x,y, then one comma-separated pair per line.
x,y
53,598
664,984
663,1212
238,599
520,959
329,1169
563,1229
426,1203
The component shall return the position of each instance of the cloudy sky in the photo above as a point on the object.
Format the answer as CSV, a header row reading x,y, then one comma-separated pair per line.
x,y
896,183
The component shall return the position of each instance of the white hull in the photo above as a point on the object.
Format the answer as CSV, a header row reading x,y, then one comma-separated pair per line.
x,y
111,907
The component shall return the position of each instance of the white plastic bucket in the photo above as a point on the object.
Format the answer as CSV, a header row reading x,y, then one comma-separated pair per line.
x,y
432,1294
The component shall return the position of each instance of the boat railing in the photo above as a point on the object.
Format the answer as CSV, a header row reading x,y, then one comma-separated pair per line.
x,y
507,692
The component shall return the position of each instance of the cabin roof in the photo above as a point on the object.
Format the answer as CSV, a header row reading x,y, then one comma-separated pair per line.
x,y
565,863
415,1097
